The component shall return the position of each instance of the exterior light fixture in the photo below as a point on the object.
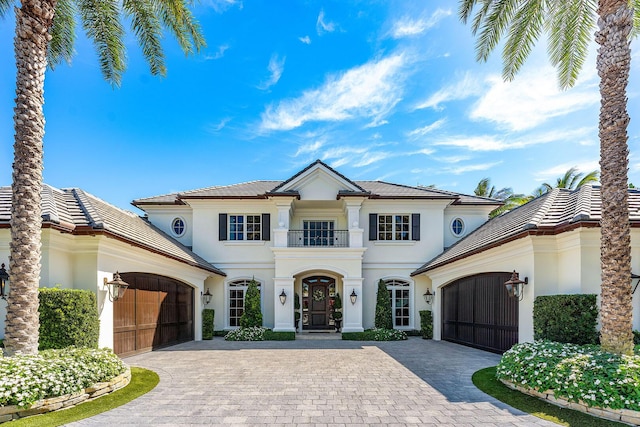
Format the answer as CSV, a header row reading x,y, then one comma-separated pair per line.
x,y
515,286
428,297
206,297
633,277
117,287
353,297
283,297
4,278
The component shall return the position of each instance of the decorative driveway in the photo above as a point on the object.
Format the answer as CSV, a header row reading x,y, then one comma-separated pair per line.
x,y
315,382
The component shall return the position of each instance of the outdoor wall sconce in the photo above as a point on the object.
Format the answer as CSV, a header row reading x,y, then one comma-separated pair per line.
x,y
4,278
515,286
428,297
283,297
353,297
633,277
206,297
117,287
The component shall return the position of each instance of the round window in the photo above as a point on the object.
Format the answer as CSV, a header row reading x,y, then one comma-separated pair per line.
x,y
178,226
457,226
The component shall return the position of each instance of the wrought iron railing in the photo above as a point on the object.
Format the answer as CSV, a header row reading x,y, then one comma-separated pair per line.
x,y
318,238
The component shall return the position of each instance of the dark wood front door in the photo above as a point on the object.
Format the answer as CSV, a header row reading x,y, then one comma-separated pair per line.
x,y
318,294
154,312
477,311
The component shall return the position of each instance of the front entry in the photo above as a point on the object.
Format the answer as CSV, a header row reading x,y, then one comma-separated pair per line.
x,y
318,297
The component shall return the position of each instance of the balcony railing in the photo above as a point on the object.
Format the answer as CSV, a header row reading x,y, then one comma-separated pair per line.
x,y
318,238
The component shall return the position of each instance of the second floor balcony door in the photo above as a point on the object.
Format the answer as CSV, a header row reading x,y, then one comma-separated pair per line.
x,y
318,233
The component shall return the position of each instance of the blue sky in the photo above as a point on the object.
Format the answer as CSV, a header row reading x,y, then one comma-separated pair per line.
x,y
386,90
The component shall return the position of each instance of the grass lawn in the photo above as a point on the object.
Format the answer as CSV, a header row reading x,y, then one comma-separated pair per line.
x,y
142,381
485,380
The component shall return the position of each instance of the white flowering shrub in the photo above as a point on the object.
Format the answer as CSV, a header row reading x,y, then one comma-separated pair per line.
x,y
51,373
575,373
253,333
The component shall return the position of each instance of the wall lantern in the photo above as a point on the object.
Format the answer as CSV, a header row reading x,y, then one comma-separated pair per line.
x,y
206,297
428,297
283,297
633,277
353,297
515,286
117,287
4,278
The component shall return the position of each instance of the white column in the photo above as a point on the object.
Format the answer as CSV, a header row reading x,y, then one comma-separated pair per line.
x,y
283,314
353,219
280,233
352,312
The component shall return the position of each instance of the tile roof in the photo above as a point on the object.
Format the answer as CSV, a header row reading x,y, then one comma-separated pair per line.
x,y
557,211
79,212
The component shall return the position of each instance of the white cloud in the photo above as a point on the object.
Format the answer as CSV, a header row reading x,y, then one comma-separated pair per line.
x,y
221,6
309,148
305,39
368,91
464,88
219,53
220,125
550,174
426,129
408,26
425,151
323,26
458,170
275,67
453,159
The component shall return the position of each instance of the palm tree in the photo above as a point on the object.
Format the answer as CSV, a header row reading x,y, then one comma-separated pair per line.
x,y
45,35
510,199
569,25
572,179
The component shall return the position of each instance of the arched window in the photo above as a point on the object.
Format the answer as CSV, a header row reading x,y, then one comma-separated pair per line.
x,y
236,292
457,227
178,226
401,303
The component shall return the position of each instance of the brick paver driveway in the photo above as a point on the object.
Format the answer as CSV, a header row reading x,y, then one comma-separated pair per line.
x,y
315,382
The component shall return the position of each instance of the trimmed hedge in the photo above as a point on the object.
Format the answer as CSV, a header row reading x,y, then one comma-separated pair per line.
x,y
426,324
269,335
207,323
384,316
68,317
375,334
252,316
566,318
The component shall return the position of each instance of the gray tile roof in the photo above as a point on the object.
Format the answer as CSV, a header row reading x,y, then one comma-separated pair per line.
x,y
557,211
77,211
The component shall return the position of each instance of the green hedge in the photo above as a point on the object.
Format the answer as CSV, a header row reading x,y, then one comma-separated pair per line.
x,y
375,334
269,335
207,323
68,317
636,338
566,318
220,333
426,324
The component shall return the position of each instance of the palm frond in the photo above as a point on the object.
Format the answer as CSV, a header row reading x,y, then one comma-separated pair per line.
x,y
592,176
494,25
175,15
525,30
635,6
5,7
571,26
63,33
146,26
101,21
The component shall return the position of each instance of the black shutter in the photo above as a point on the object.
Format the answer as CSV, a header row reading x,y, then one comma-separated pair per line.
x,y
266,226
222,226
373,226
415,226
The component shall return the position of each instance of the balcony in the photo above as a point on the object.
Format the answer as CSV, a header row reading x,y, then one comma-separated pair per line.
x,y
318,238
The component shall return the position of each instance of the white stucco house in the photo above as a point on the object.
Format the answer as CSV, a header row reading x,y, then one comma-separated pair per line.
x,y
316,235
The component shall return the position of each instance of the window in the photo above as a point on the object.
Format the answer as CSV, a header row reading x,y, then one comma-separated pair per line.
x,y
457,227
400,295
318,233
237,291
244,227
393,227
178,226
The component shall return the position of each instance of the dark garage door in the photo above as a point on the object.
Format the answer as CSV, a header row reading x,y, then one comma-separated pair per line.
x,y
155,311
478,312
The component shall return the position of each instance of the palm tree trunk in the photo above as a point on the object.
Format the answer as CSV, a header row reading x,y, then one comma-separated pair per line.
x,y
33,21
613,63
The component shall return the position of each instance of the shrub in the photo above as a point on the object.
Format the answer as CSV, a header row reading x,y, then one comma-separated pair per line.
x,y
636,338
68,317
252,316
375,334
270,335
253,333
337,306
296,306
384,317
566,318
220,333
207,323
426,324
575,373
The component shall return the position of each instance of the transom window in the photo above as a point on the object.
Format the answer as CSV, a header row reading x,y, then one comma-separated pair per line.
x,y
457,226
178,227
400,295
237,291
244,227
394,227
318,233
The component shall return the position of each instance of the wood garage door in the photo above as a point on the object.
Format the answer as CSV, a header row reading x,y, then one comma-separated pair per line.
x,y
155,312
477,311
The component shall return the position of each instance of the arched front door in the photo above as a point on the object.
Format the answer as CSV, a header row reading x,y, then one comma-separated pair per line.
x,y
318,297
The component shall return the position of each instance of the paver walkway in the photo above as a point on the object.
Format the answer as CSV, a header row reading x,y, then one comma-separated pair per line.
x,y
315,382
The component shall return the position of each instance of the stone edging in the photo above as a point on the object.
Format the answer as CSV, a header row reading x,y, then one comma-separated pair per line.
x,y
621,415
13,412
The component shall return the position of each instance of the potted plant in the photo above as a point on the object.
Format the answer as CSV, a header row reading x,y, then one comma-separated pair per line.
x,y
296,312
337,315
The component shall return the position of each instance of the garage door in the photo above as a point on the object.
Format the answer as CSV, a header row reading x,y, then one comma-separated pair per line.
x,y
478,312
155,311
